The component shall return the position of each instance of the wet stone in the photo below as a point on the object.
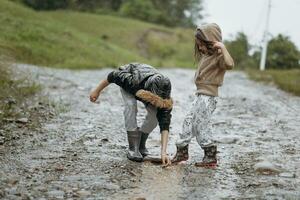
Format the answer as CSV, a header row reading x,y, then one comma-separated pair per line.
x,y
104,140
2,140
266,167
82,193
228,140
287,175
22,120
56,194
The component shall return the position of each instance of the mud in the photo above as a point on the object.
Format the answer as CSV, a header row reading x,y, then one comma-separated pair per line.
x,y
81,154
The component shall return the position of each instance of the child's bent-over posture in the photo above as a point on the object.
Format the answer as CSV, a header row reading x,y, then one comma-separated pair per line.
x,y
213,61
144,83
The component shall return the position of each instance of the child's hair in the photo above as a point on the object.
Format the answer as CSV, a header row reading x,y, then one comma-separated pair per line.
x,y
208,44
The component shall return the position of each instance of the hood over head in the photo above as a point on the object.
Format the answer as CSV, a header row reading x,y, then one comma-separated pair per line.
x,y
212,32
157,92
159,85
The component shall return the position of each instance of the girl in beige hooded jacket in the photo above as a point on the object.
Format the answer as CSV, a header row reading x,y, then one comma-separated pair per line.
x,y
213,61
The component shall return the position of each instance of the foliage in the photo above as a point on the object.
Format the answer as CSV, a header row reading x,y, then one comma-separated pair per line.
x,y
13,91
94,5
143,10
288,80
282,53
183,13
239,49
47,4
82,40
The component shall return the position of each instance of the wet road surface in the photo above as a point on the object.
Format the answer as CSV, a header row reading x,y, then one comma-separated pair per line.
x,y
81,154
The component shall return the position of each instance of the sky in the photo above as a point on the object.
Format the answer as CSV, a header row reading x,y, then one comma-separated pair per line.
x,y
249,16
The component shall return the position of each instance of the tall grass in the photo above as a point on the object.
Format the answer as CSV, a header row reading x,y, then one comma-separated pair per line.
x,y
288,80
14,90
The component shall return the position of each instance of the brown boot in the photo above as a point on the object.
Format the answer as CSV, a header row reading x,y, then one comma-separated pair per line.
x,y
210,157
182,154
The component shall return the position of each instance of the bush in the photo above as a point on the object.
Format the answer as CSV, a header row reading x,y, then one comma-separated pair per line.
x,y
47,4
143,10
282,53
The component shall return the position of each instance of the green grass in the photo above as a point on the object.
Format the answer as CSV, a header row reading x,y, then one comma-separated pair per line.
x,y
287,80
14,91
77,40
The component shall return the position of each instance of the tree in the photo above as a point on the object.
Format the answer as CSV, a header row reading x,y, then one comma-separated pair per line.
x,y
282,53
47,4
143,10
184,13
91,5
239,49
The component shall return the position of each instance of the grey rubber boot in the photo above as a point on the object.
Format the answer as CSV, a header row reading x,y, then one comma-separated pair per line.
x,y
182,154
210,156
134,139
143,150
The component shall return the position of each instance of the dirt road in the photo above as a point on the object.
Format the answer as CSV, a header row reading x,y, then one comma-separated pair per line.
x,y
82,152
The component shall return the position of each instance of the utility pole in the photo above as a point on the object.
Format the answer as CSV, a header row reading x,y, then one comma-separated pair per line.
x,y
263,58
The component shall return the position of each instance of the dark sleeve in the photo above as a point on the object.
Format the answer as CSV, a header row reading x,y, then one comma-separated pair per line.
x,y
164,119
111,77
124,79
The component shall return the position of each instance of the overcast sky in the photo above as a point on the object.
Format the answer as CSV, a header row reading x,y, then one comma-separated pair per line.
x,y
250,16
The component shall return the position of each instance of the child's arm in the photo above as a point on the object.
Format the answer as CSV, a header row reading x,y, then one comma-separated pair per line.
x,y
96,92
164,143
227,57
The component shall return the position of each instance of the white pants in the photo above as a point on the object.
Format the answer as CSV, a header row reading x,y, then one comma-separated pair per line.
x,y
197,122
130,113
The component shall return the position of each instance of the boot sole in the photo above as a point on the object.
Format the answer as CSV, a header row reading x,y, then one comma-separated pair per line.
x,y
136,159
208,165
175,162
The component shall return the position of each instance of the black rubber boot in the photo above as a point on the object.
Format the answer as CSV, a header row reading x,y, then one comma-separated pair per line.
x,y
143,150
182,154
210,156
134,138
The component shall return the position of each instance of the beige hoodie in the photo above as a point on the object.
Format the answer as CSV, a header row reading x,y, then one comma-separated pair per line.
x,y
211,68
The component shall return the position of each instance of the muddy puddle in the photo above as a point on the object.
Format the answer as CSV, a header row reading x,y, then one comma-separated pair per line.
x,y
81,154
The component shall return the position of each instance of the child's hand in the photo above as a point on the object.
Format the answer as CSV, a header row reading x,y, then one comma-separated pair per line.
x,y
165,160
94,96
219,46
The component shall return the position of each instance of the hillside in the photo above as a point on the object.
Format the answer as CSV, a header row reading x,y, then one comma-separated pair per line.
x,y
80,40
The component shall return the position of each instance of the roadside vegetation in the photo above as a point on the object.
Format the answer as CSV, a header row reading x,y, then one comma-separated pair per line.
x,y
288,80
282,64
80,40
21,105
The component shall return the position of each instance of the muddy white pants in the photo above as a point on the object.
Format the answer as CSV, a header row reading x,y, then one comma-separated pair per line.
x,y
130,113
197,122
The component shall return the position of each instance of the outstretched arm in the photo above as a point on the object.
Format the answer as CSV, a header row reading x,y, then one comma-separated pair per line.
x,y
96,92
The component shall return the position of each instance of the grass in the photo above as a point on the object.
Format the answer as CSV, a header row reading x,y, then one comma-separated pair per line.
x,y
13,91
287,80
68,39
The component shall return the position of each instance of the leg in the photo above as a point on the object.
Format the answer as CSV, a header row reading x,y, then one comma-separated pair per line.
x,y
130,111
187,128
149,124
186,135
150,121
204,130
133,135
203,126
